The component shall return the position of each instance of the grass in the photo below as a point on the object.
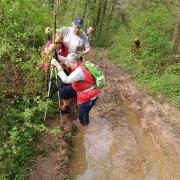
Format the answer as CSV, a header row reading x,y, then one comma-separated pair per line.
x,y
167,84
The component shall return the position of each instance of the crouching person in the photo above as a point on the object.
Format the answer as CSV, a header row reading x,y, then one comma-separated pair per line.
x,y
82,87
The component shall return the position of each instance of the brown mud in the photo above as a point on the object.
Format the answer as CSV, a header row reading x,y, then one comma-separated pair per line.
x,y
131,136
155,115
54,151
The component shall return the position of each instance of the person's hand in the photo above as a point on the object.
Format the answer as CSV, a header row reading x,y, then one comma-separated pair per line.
x,y
81,53
55,63
48,30
52,47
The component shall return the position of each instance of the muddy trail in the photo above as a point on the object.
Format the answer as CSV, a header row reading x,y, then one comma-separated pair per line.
x,y
130,136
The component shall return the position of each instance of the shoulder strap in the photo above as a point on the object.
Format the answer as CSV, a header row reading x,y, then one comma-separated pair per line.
x,y
83,66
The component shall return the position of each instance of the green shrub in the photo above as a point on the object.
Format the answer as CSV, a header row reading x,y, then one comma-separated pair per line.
x,y
21,121
22,104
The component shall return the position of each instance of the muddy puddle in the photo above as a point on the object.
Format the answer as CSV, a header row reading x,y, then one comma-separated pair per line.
x,y
123,151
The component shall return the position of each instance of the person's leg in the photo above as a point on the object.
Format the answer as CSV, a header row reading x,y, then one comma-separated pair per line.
x,y
84,110
66,93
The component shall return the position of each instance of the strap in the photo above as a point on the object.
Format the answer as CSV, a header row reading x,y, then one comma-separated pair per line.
x,y
91,86
89,89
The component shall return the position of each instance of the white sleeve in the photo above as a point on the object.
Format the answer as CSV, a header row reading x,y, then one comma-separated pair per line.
x,y
76,75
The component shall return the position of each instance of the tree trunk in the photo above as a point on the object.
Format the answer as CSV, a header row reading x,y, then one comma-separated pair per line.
x,y
103,16
110,14
85,8
176,38
96,21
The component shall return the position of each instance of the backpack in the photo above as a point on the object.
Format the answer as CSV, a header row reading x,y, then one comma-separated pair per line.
x,y
97,74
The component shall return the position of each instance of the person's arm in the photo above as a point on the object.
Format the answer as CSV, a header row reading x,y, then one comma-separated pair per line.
x,y
61,30
62,59
86,45
75,76
86,51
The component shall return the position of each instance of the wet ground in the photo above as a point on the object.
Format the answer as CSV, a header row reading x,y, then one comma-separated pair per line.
x,y
130,136
106,151
117,144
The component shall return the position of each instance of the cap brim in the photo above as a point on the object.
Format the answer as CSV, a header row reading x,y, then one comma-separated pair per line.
x,y
78,25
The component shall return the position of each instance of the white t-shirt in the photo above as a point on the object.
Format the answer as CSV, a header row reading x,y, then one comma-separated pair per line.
x,y
74,42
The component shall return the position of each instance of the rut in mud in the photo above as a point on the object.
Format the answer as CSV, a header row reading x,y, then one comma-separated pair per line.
x,y
129,136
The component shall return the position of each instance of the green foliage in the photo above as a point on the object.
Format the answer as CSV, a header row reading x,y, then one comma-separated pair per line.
x,y
154,33
22,104
120,51
152,23
22,34
21,124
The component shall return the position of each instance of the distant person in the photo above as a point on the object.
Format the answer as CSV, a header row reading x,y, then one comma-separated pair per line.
x,y
82,87
89,34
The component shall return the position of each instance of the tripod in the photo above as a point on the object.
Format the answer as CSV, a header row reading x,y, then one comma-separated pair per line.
x,y
53,70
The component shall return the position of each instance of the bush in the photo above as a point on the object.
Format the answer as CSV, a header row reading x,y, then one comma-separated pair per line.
x,y
22,35
20,124
22,106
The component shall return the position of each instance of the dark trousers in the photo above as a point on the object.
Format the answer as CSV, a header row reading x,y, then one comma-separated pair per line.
x,y
84,110
67,92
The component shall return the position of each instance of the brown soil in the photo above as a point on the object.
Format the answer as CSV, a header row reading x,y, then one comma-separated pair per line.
x,y
156,116
51,163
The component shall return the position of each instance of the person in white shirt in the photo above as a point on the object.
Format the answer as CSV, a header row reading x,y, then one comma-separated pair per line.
x,y
73,37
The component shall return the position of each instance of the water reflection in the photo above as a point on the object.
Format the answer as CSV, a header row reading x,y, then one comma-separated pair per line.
x,y
97,142
124,152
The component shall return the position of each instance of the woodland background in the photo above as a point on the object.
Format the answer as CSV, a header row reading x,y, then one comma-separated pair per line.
x,y
142,36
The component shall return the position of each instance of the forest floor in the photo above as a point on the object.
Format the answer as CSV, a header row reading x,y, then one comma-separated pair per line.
x,y
133,129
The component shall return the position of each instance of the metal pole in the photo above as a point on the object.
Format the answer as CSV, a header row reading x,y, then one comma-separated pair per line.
x,y
59,99
49,89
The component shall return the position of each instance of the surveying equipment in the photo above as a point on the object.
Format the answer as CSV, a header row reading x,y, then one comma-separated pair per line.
x,y
53,70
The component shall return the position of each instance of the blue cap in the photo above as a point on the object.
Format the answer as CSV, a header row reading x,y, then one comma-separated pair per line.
x,y
78,21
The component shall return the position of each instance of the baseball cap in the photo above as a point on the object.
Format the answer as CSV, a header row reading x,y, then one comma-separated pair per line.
x,y
78,21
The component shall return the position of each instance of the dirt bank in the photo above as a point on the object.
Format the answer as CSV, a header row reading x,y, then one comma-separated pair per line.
x,y
54,151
